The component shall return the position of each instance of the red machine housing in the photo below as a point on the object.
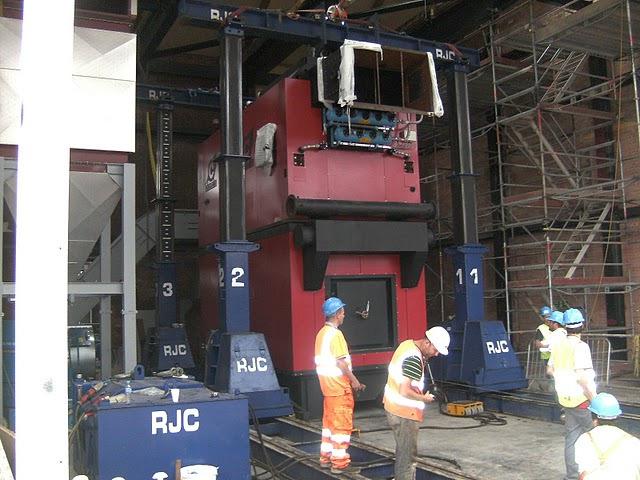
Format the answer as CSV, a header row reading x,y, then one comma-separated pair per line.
x,y
380,312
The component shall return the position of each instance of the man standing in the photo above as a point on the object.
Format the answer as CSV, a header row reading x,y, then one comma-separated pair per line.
x,y
403,397
542,334
557,332
552,330
572,370
606,451
337,382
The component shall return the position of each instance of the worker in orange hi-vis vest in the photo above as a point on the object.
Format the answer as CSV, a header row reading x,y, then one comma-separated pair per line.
x,y
404,399
333,366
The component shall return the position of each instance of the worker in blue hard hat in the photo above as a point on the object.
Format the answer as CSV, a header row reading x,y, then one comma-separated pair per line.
x,y
557,332
337,382
571,366
606,451
542,333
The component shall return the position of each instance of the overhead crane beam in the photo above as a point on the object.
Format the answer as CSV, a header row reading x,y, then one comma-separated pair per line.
x,y
277,25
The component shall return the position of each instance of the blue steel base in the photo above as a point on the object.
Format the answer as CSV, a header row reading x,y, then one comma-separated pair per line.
x,y
167,347
480,356
240,363
488,359
144,438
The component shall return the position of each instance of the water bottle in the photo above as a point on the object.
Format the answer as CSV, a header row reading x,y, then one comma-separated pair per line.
x,y
127,392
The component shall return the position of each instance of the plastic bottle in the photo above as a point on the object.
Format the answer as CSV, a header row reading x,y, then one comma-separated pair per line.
x,y
127,392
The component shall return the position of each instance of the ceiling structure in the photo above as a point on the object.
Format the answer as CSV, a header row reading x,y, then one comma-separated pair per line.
x,y
170,45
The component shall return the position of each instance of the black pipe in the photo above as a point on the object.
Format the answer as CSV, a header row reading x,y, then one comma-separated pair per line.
x,y
463,179
316,208
231,160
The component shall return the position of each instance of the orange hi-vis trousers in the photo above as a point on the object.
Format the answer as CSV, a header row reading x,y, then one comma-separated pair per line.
x,y
337,424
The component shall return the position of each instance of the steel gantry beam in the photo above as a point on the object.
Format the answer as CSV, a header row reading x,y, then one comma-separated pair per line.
x,y
277,25
185,97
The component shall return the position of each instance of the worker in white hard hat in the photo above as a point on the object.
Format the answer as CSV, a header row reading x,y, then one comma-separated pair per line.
x,y
404,399
606,451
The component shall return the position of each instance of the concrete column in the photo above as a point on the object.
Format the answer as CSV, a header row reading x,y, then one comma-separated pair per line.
x,y
42,239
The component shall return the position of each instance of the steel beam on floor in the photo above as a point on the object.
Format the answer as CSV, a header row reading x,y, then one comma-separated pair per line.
x,y
291,448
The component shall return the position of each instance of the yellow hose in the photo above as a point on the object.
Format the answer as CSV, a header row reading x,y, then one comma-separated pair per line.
x,y
152,157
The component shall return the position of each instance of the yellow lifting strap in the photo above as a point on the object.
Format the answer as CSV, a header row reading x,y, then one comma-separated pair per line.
x,y
603,455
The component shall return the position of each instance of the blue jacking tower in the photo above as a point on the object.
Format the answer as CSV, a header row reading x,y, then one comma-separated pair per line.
x,y
480,354
237,360
166,345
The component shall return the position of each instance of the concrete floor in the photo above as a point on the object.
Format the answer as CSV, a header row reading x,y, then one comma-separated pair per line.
x,y
522,449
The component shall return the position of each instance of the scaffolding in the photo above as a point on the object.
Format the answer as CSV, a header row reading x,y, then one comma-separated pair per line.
x,y
556,131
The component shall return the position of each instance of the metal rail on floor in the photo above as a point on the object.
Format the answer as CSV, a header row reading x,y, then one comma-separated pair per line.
x,y
289,448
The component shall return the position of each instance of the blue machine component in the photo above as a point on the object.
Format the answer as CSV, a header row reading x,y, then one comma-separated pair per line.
x,y
358,116
359,136
248,369
168,347
238,361
357,127
166,298
488,360
143,439
480,353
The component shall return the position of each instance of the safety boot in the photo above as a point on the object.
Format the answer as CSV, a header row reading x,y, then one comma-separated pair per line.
x,y
347,469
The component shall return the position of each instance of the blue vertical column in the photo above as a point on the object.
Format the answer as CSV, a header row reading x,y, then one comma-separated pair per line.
x,y
238,360
166,298
233,281
468,282
468,287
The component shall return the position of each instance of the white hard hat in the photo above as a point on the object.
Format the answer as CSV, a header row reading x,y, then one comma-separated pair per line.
x,y
439,338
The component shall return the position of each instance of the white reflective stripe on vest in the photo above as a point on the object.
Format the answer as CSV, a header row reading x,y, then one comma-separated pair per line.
x,y
398,399
326,363
329,371
395,371
418,384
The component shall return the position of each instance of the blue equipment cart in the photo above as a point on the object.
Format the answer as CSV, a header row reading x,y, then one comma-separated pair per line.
x,y
146,438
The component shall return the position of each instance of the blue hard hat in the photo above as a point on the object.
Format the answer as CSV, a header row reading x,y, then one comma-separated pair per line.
x,y
557,317
605,406
545,311
573,318
331,305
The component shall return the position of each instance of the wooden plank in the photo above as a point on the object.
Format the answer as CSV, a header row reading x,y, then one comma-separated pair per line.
x,y
7,453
